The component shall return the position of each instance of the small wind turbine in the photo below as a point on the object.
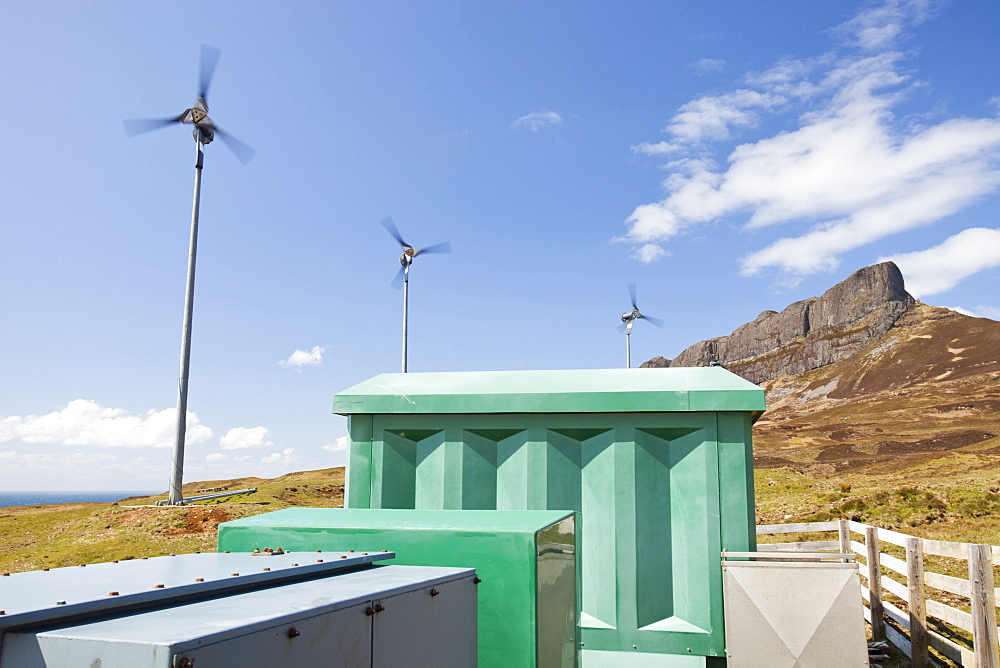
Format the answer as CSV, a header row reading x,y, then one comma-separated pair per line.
x,y
403,277
205,130
628,319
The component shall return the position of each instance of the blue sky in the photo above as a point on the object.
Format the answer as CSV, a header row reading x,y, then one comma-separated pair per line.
x,y
728,157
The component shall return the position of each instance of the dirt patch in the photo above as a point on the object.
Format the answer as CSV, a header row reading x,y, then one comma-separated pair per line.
x,y
197,520
770,462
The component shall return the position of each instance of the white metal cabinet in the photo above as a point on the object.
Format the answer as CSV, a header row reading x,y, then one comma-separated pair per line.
x,y
328,621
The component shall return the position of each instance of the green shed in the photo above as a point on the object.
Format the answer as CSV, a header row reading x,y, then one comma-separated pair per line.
x,y
658,462
526,560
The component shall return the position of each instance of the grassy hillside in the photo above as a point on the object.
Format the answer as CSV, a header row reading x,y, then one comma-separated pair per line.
x,y
36,537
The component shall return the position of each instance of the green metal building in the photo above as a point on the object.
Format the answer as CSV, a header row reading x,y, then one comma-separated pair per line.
x,y
657,462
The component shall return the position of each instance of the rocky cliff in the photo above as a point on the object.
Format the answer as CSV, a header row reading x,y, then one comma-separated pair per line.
x,y
808,334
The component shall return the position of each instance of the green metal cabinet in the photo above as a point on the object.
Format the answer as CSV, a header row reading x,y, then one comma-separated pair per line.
x,y
658,462
525,559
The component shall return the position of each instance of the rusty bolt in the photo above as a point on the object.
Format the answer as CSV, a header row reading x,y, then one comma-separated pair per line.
x,y
185,663
256,550
343,556
379,607
385,550
319,550
369,611
199,579
45,569
294,564
234,574
60,602
112,593
267,569
364,554
476,580
319,561
3,612
83,565
158,586
6,574
434,592
294,632
350,550
226,552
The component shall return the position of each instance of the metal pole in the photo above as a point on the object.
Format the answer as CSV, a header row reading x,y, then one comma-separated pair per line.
x,y
175,496
406,304
628,347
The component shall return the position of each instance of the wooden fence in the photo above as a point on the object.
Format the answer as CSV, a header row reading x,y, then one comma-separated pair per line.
x,y
892,583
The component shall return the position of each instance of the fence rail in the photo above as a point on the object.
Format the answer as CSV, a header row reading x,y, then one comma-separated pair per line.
x,y
909,629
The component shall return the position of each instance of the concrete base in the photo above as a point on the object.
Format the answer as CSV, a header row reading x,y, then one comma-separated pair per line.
x,y
605,659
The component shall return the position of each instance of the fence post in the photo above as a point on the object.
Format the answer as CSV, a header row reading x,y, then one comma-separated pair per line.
x,y
984,611
917,602
844,535
874,583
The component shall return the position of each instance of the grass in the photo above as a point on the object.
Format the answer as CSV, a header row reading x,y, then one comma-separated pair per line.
x,y
37,537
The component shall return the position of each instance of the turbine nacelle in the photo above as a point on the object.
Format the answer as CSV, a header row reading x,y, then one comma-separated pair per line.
x,y
198,116
205,129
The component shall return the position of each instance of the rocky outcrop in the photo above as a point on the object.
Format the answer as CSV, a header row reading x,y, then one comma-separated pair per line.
x,y
810,333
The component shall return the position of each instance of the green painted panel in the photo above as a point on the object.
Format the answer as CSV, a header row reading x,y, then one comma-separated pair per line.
x,y
659,466
562,391
525,560
652,494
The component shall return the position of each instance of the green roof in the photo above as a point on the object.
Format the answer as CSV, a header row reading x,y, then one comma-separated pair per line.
x,y
496,521
563,391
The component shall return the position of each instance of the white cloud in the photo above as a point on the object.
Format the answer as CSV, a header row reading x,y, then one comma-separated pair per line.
x,y
991,312
938,269
61,460
215,458
711,117
238,438
659,148
86,423
881,27
537,119
649,253
848,173
707,65
286,457
301,358
338,445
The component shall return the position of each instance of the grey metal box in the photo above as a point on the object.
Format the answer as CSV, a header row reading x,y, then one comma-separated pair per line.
x,y
378,616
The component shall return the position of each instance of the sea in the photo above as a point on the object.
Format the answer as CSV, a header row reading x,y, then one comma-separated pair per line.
x,y
39,498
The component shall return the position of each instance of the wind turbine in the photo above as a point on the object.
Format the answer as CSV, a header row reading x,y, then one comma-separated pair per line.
x,y
403,277
205,130
628,319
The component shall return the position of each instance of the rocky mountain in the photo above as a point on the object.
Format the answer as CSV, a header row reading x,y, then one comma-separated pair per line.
x,y
865,379
808,334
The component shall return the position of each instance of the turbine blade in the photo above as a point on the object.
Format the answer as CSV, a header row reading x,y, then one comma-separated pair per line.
x,y
444,247
209,59
397,282
653,321
631,293
391,228
135,127
243,152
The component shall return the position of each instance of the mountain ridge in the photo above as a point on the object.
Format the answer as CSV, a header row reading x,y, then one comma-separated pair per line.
x,y
810,333
873,389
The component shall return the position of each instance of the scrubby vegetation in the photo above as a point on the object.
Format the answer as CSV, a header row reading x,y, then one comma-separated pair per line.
x,y
36,537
